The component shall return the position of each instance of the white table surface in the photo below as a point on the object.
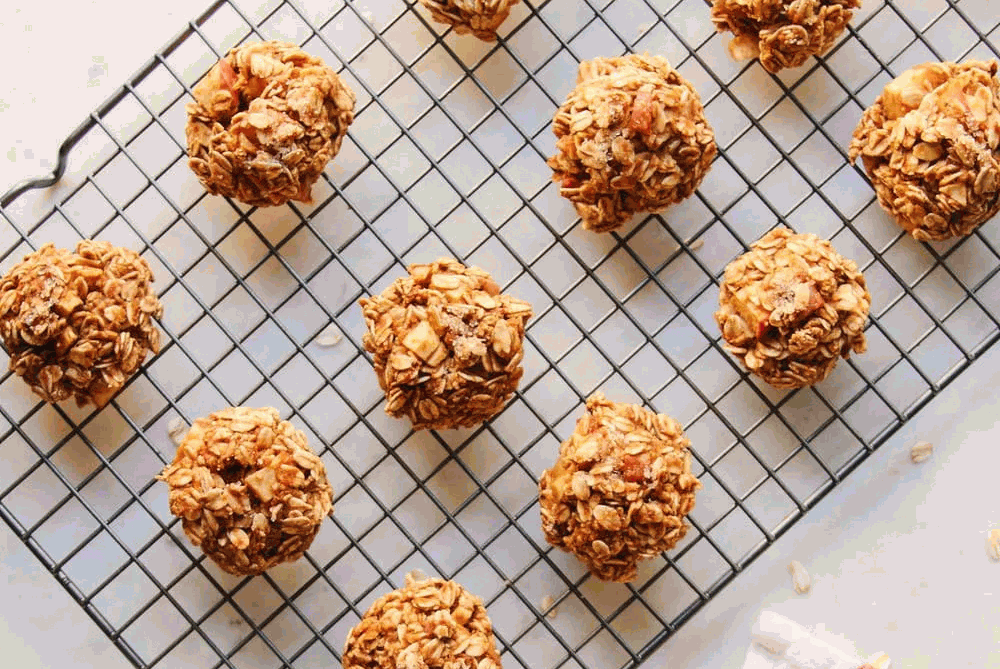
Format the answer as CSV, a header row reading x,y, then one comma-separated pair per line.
x,y
896,552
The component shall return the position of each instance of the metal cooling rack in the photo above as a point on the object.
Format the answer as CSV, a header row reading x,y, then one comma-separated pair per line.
x,y
449,159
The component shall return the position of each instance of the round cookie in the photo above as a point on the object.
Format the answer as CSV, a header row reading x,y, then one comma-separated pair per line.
x,y
477,17
782,33
79,324
930,144
620,488
446,344
249,490
426,624
265,121
791,306
631,137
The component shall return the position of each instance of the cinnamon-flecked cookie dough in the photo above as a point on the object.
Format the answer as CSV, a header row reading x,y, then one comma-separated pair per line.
x,y
791,306
782,33
249,490
929,144
426,624
79,323
446,344
265,121
620,489
631,137
482,18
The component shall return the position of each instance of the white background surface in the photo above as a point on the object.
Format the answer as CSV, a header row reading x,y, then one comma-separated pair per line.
x,y
896,552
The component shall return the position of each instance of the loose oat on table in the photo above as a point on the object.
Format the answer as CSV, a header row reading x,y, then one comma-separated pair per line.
x,y
620,488
547,606
177,428
791,306
929,144
79,323
481,18
781,33
801,580
920,451
446,344
265,121
993,544
631,137
249,490
426,624
329,337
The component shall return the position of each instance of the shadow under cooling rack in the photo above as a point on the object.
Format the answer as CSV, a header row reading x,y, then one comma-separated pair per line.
x,y
447,157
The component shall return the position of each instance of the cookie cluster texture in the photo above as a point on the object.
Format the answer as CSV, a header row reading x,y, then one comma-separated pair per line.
x,y
631,137
248,489
782,33
446,344
265,121
426,624
620,489
929,144
79,323
791,307
481,18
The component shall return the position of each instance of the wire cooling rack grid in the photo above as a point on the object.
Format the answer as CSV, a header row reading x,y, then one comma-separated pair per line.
x,y
449,159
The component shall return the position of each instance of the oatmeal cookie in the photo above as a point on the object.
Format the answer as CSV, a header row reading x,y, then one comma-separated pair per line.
x,y
265,121
249,490
426,624
929,144
620,489
481,18
631,137
791,306
782,33
79,323
447,345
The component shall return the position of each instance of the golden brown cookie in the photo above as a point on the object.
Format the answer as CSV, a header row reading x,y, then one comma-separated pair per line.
x,y
426,624
446,344
631,137
791,306
481,18
265,121
782,33
931,147
620,489
249,490
79,324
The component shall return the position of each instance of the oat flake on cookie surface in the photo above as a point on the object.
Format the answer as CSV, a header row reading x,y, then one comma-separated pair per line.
x,y
79,323
426,624
631,137
249,490
791,306
265,121
930,144
446,344
620,488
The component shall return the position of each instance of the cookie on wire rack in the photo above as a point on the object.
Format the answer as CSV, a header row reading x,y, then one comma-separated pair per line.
x,y
481,18
266,120
782,33
930,144
791,306
79,323
620,488
248,489
426,624
631,137
446,344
